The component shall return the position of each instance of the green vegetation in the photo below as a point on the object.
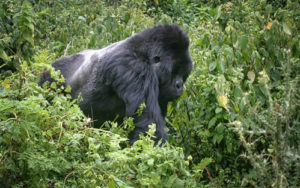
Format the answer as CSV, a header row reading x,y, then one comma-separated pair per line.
x,y
236,125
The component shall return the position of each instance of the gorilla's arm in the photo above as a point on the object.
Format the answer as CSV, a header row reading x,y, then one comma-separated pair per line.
x,y
135,82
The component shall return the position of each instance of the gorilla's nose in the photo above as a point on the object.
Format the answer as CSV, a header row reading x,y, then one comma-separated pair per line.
x,y
179,85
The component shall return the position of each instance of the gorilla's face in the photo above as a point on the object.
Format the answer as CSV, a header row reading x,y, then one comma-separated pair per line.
x,y
172,71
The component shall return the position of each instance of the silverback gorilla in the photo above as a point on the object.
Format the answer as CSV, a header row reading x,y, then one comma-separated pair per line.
x,y
150,67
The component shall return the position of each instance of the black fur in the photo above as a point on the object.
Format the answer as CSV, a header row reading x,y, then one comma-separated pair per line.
x,y
149,67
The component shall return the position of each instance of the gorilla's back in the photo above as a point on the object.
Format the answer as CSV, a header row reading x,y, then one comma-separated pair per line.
x,y
77,68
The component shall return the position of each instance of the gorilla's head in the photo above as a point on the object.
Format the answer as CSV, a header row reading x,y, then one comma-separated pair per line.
x,y
168,54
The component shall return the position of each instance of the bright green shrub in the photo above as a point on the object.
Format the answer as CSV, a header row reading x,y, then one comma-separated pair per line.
x,y
237,121
246,64
46,141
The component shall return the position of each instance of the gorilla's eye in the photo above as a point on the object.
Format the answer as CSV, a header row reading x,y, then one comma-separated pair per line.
x,y
156,59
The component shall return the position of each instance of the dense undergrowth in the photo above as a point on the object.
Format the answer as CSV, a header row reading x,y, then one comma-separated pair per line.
x,y
236,125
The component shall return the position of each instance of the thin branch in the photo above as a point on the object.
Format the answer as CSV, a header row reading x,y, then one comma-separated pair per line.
x,y
209,176
68,45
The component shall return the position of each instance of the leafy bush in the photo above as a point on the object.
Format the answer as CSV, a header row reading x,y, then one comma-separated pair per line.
x,y
246,65
236,125
46,141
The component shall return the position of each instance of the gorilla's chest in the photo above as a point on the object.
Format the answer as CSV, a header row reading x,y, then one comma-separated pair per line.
x,y
103,107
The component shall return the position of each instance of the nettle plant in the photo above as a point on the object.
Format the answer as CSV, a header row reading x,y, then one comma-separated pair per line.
x,y
45,140
242,97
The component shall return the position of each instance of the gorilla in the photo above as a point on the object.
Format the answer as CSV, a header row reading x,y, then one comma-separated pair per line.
x,y
150,67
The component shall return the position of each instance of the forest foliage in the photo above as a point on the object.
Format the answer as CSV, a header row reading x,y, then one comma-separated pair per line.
x,y
236,125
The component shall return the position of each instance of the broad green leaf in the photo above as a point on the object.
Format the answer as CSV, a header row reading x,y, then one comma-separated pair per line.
x,y
28,37
112,184
3,55
68,89
219,11
171,180
243,41
212,66
212,122
220,138
286,29
236,108
269,9
217,138
251,76
229,29
150,162
53,85
218,110
220,128
126,17
222,65
49,132
229,147
206,161
30,26
263,89
270,150
178,183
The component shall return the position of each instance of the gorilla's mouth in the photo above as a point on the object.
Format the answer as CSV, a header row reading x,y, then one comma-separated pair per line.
x,y
170,97
177,96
